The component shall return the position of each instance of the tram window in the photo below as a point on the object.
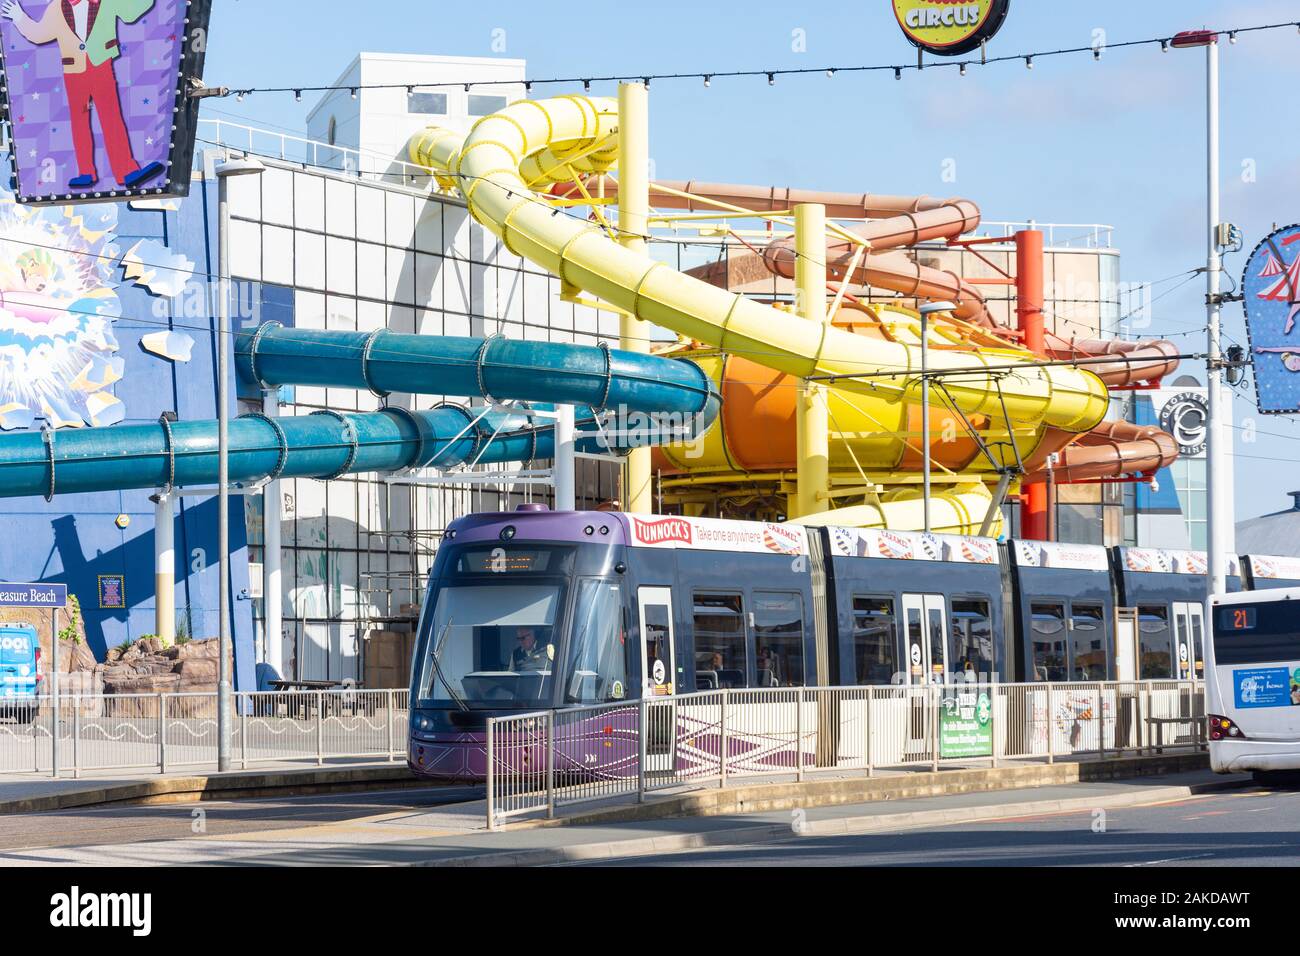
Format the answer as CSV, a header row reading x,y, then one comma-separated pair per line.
x,y
1048,626
915,643
972,639
1153,636
1180,642
598,669
720,639
874,640
1087,642
778,638
1198,645
656,635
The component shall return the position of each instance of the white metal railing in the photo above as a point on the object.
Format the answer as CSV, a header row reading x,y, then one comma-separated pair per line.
x,y
1059,235
544,759
169,731
362,164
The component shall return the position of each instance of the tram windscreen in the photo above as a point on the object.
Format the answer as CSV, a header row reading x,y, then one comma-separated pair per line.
x,y
491,644
1262,633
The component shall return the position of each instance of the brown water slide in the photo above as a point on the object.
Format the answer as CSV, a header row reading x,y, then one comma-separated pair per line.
x,y
1109,450
898,222
700,196
1135,361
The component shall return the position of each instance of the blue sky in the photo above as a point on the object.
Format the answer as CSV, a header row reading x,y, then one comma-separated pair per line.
x,y
1118,142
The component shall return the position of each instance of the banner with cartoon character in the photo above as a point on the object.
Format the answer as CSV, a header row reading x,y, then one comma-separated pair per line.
x,y
96,93
1271,291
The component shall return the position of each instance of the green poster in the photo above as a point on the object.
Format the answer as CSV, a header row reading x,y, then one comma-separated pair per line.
x,y
966,725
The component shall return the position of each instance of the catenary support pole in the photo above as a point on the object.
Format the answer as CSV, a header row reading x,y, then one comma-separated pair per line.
x,y
223,476
247,166
633,223
1218,537
812,428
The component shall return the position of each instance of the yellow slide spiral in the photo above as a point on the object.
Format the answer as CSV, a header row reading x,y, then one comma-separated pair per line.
x,y
533,138
508,156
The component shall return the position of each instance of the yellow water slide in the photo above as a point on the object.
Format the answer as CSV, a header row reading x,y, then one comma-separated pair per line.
x,y
511,157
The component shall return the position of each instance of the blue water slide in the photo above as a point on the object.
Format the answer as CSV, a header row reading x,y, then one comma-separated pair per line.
x,y
329,444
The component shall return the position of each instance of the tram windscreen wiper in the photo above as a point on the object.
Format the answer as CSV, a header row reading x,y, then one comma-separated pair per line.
x,y
437,650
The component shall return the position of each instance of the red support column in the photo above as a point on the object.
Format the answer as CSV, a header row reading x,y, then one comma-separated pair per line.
x,y
1029,315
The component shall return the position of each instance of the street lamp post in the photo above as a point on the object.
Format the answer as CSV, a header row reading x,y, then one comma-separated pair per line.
x,y
224,170
1218,533
926,311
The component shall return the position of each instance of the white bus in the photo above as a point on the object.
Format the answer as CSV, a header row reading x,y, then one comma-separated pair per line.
x,y
1253,681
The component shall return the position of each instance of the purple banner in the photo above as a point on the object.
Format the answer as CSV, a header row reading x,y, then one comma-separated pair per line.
x,y
95,95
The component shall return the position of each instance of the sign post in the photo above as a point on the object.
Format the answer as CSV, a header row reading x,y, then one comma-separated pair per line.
x,y
52,596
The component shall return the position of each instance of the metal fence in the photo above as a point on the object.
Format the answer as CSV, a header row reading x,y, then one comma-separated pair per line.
x,y
544,759
170,731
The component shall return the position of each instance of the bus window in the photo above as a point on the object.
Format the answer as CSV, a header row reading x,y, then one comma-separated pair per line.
x,y
972,639
1048,625
598,672
874,640
1087,642
720,640
1263,633
778,638
1153,635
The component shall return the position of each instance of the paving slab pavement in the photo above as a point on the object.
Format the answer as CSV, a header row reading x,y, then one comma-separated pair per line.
x,y
453,835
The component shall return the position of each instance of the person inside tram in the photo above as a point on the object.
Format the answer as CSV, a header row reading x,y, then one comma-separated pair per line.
x,y
766,669
531,652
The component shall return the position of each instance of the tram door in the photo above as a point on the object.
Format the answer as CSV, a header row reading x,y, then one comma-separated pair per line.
x,y
926,620
1189,630
658,671
927,638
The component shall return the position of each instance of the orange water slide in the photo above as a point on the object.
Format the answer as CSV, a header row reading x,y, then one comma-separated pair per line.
x,y
896,222
1108,450
760,419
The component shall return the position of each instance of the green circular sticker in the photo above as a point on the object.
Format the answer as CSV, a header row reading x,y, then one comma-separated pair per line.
x,y
983,709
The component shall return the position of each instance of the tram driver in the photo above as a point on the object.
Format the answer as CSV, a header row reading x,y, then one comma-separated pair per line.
x,y
533,653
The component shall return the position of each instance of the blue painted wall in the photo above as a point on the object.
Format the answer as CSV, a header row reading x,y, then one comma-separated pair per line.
x,y
1164,500
76,538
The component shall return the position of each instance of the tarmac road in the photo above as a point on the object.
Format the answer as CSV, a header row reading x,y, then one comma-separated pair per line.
x,y
1255,826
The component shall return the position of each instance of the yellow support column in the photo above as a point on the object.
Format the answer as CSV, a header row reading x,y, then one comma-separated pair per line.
x,y
633,222
811,417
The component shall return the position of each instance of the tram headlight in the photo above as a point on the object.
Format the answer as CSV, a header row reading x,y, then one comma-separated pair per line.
x,y
507,532
423,723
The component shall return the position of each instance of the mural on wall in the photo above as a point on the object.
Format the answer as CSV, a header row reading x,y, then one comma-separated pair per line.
x,y
60,279
58,303
100,304
96,94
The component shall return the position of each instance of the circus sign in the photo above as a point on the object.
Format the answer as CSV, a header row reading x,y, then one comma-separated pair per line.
x,y
96,93
950,27
1271,291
